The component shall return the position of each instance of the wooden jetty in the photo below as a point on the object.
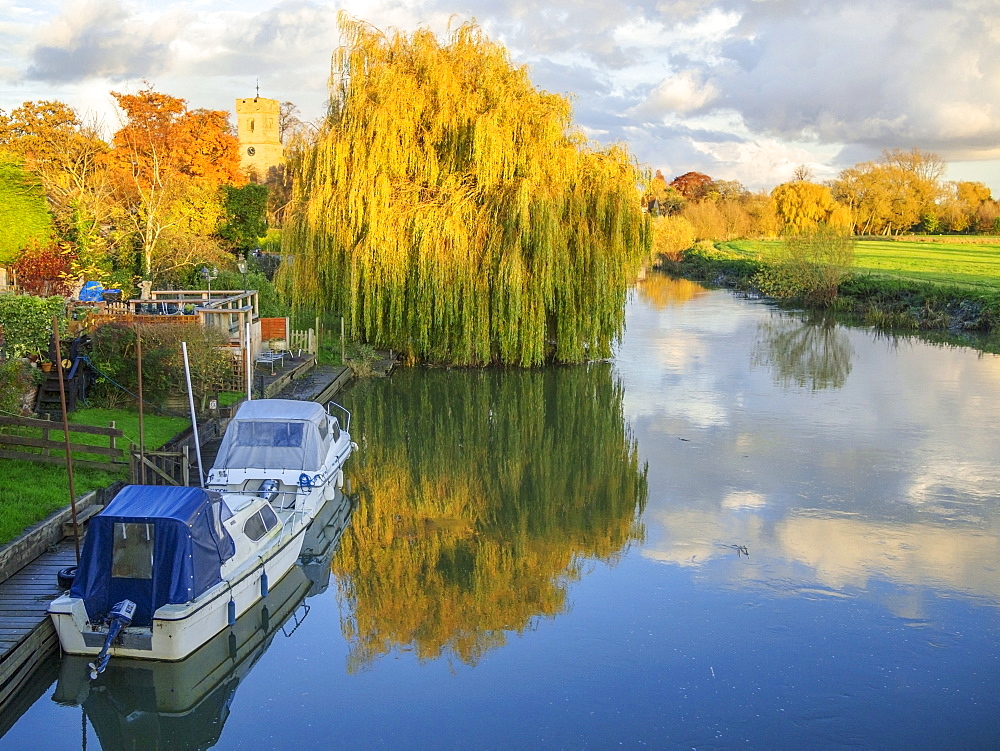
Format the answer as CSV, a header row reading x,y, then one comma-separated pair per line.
x,y
27,635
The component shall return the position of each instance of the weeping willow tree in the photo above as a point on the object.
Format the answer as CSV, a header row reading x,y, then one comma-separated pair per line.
x,y
450,210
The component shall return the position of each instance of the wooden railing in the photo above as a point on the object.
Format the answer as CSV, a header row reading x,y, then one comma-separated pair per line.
x,y
28,438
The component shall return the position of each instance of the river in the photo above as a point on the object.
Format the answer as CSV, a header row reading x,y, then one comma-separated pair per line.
x,y
751,529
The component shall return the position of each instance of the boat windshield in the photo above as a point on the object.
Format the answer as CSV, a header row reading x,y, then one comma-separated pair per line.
x,y
269,434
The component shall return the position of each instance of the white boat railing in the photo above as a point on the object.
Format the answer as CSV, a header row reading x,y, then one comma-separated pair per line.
x,y
343,409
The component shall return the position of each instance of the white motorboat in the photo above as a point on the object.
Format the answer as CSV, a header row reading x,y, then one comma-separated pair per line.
x,y
164,569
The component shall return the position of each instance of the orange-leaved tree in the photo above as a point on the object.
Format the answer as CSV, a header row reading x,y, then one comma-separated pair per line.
x,y
166,160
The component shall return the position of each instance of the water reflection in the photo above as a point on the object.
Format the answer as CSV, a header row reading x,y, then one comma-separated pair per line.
x,y
185,704
484,495
809,351
662,291
863,468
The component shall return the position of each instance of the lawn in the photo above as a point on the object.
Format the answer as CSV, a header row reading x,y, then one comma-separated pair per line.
x,y
30,491
974,266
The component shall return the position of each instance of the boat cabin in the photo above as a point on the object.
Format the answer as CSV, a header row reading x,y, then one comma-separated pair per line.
x,y
154,545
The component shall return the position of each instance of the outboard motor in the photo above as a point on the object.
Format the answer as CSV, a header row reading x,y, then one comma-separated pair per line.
x,y
120,617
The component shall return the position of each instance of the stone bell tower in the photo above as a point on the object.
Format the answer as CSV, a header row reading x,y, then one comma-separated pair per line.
x,y
260,139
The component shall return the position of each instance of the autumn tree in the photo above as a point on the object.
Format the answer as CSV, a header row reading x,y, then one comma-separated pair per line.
x,y
671,235
45,269
963,205
169,163
452,212
691,185
803,206
894,194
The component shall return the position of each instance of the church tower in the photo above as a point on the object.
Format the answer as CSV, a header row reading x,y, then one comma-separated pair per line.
x,y
260,140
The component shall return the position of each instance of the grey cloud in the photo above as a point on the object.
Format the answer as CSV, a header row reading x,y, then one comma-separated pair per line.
x,y
99,40
898,73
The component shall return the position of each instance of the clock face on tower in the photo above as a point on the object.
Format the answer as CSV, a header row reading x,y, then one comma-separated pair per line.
x,y
251,151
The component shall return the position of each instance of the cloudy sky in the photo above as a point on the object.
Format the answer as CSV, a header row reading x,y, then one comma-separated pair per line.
x,y
739,89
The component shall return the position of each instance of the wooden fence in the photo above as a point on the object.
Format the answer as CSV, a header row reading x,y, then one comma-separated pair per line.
x,y
304,341
161,467
28,438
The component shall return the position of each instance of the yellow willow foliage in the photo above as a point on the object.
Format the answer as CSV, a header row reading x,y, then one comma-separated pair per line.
x,y
484,493
449,210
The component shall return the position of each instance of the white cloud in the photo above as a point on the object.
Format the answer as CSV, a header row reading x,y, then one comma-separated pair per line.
x,y
681,93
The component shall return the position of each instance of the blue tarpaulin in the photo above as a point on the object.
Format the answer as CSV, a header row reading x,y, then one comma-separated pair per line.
x,y
154,545
95,292
92,292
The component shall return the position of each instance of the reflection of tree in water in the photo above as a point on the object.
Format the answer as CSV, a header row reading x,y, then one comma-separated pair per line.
x,y
662,291
484,493
812,352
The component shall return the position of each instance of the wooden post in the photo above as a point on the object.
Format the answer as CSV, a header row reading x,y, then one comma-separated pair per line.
x,y
186,465
342,356
65,422
142,437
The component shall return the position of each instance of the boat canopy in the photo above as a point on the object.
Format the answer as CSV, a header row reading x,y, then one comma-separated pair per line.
x,y
277,434
154,545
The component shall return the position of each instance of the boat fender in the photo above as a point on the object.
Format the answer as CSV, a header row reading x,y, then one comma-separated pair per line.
x,y
231,612
263,583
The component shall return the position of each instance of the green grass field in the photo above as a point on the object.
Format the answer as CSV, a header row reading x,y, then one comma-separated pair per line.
x,y
30,491
974,266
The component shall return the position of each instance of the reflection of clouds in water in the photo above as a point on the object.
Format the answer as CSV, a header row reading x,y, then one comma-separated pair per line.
x,y
953,489
846,553
885,469
743,499
837,552
692,538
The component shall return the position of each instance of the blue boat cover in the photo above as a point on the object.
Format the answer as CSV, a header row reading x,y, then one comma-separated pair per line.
x,y
154,545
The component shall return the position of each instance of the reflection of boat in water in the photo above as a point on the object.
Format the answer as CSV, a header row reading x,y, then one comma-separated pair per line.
x,y
166,568
185,704
322,540
147,704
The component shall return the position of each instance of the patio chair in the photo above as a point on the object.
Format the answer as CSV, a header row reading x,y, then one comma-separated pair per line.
x,y
270,357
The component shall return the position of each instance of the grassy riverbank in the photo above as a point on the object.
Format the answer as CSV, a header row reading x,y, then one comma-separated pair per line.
x,y
30,491
927,285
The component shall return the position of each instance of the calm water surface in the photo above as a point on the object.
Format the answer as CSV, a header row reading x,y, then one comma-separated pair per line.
x,y
749,530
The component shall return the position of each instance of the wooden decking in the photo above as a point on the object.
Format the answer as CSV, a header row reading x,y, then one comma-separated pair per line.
x,y
26,632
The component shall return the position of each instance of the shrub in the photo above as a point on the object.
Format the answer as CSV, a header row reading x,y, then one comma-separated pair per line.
x,y
809,266
16,380
27,322
671,235
114,355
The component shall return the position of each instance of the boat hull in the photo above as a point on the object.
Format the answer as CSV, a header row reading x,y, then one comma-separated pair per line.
x,y
179,630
